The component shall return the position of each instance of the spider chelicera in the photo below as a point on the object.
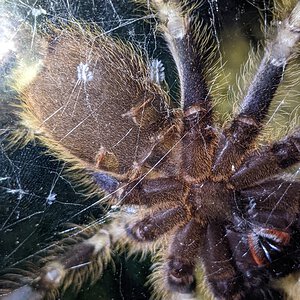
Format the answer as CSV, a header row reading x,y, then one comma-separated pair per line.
x,y
190,193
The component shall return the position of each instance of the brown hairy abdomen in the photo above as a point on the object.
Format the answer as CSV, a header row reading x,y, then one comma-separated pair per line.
x,y
86,114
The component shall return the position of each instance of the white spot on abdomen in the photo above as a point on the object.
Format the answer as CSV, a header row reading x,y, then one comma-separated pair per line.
x,y
83,73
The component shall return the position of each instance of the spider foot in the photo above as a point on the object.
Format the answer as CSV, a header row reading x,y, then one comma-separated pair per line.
x,y
152,227
180,275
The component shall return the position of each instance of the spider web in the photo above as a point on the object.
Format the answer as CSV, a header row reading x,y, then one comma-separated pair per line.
x,y
36,197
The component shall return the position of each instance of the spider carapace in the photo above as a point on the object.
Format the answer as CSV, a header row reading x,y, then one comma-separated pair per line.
x,y
197,196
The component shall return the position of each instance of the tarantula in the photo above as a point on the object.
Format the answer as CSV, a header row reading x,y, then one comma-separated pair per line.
x,y
194,195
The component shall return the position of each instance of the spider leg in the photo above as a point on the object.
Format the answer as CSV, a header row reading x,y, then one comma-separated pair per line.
x,y
265,237
187,47
76,263
177,29
271,215
273,203
255,279
152,227
218,262
271,161
239,137
149,192
183,256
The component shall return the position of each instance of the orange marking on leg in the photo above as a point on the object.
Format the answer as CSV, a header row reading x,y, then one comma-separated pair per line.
x,y
284,237
256,255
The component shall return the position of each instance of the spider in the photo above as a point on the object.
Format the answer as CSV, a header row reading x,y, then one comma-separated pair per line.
x,y
208,203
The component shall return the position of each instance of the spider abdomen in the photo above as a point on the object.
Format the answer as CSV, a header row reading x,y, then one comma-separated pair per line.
x,y
106,126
